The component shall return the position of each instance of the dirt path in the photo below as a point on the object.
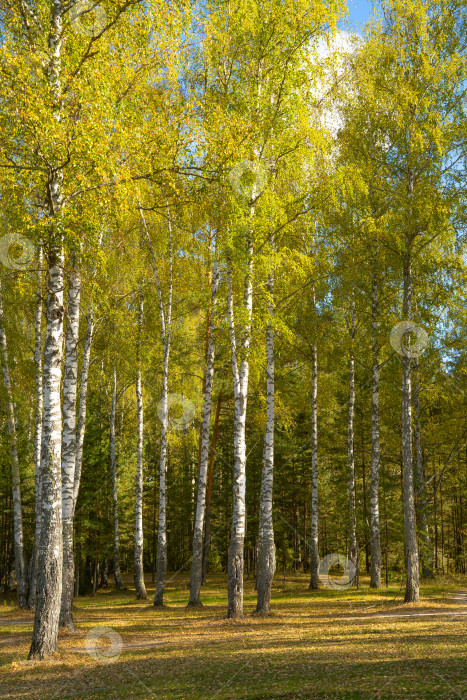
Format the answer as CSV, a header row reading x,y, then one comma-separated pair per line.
x,y
460,608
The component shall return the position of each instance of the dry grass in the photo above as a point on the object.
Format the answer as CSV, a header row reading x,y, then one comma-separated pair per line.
x,y
323,644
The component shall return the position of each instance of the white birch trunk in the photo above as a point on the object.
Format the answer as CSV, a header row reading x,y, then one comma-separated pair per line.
x,y
49,578
353,552
83,395
266,546
20,562
70,389
138,563
240,382
197,561
314,551
161,555
37,434
207,520
412,590
235,563
375,541
113,469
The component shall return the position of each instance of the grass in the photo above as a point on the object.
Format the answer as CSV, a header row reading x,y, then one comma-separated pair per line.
x,y
320,644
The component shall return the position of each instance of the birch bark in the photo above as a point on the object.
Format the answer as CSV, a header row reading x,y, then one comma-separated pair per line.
x,y
113,468
266,545
37,434
207,522
138,565
240,382
161,554
20,562
314,551
70,388
197,561
412,590
375,540
83,395
353,552
49,578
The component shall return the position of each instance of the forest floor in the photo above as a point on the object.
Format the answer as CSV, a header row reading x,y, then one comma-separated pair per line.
x,y
321,644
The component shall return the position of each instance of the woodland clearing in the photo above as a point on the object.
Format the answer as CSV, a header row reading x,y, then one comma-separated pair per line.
x,y
321,644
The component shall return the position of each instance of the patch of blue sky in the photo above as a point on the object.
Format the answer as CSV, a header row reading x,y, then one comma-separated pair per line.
x,y
359,13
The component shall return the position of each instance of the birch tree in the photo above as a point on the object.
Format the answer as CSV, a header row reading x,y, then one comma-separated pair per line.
x,y
412,592
37,433
138,564
353,549
266,546
113,471
198,540
83,391
50,135
314,551
415,64
70,388
210,480
240,372
74,426
375,543
166,320
49,579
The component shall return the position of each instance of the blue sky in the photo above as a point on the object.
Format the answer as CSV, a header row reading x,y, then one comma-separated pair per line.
x,y
359,11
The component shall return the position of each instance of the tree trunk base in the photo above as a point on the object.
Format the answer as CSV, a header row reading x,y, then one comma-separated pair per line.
x,y
40,656
235,616
42,650
194,604
411,597
69,626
